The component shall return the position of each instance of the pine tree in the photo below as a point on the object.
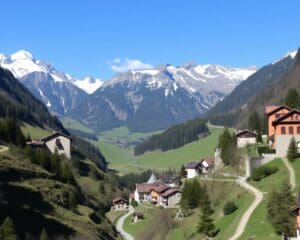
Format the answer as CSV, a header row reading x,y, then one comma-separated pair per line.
x,y
292,99
278,211
44,235
259,138
206,226
254,122
227,143
7,231
292,152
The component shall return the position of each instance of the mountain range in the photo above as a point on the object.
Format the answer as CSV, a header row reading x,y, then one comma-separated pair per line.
x,y
137,99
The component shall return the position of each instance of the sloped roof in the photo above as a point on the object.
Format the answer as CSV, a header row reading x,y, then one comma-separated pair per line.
x,y
246,133
152,178
209,160
116,200
54,135
192,165
286,116
170,192
273,109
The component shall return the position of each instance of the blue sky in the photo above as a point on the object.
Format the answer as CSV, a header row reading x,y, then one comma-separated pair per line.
x,y
99,38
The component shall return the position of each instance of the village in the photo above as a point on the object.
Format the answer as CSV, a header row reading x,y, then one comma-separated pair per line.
x,y
166,190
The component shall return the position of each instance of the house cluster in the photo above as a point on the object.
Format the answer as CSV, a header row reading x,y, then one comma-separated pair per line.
x,y
163,191
194,169
283,124
56,142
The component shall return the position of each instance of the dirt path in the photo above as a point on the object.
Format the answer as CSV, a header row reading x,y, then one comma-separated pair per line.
x,y
120,224
246,216
3,149
291,172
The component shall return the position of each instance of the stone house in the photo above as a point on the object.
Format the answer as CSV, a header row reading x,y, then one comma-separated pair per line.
x,y
57,142
245,137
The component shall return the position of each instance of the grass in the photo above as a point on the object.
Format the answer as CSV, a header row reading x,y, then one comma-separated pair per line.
x,y
114,215
296,165
124,161
34,131
189,152
137,228
258,226
74,124
227,224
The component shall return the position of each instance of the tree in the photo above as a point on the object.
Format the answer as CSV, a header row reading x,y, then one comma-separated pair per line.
x,y
101,188
259,137
254,122
7,231
278,211
292,98
227,143
206,226
292,152
44,235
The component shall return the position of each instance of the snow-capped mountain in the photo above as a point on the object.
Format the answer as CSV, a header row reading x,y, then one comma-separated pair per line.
x,y
147,100
59,91
139,99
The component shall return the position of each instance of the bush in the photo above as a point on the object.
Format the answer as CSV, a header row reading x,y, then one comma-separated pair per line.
x,y
229,208
134,203
262,172
265,149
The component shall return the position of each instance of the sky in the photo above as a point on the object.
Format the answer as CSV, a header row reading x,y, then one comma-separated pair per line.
x,y
101,38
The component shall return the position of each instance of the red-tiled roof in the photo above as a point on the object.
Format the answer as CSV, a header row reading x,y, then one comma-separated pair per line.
x,y
209,160
286,116
147,187
273,109
170,192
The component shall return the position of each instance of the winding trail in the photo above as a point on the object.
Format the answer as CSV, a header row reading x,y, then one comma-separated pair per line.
x,y
246,216
120,224
242,181
291,172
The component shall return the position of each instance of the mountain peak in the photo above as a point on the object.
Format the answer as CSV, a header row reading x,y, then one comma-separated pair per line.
x,y
21,55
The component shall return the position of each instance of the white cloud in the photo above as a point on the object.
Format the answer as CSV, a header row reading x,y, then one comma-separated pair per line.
x,y
124,65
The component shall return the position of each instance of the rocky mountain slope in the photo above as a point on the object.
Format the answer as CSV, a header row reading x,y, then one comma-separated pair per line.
x,y
153,99
60,92
267,86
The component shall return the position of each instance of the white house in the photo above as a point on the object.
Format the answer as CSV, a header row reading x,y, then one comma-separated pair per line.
x,y
193,169
120,204
245,137
57,142
207,163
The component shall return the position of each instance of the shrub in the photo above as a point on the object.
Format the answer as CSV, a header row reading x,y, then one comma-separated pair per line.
x,y
262,172
229,208
265,149
134,203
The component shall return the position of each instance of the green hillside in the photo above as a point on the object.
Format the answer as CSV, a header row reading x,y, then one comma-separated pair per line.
x,y
124,161
258,226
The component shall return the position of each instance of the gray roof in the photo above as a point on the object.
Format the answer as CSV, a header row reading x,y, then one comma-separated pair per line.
x,y
152,179
193,165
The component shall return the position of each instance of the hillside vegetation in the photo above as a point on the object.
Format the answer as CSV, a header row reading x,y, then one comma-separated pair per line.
x,y
174,137
265,87
16,101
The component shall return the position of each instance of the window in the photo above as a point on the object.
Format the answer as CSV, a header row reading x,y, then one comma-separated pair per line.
x,y
277,115
283,130
291,130
298,130
58,144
